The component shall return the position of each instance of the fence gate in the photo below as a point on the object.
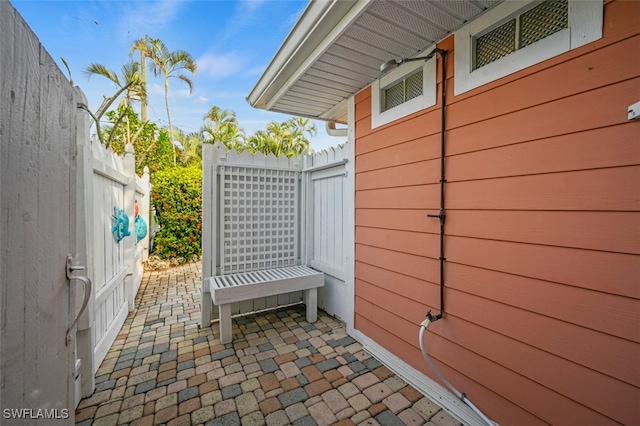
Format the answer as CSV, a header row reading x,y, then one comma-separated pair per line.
x,y
107,188
37,180
326,208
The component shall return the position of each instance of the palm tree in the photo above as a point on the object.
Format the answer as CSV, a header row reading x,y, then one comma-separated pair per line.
x,y
130,85
170,64
142,46
260,141
286,138
302,125
222,126
191,154
299,126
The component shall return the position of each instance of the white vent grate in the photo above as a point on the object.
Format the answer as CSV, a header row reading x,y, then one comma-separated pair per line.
x,y
258,218
402,91
413,86
496,44
393,96
542,21
545,19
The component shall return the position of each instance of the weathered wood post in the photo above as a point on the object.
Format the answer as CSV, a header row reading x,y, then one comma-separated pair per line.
x,y
84,241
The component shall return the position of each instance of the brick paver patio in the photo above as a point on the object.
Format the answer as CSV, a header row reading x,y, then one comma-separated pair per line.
x,y
279,370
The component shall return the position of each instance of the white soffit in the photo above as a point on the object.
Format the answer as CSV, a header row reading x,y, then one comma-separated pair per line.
x,y
336,47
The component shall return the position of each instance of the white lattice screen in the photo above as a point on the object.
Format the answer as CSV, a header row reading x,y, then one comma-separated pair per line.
x,y
258,218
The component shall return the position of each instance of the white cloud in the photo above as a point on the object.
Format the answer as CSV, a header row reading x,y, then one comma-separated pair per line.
x,y
229,95
250,5
155,89
256,70
246,12
202,99
174,91
150,15
179,93
221,65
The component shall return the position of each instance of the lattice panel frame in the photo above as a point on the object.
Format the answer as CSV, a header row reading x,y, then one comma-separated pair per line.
x,y
258,218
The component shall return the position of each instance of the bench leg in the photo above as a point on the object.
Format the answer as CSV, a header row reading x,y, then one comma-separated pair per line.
x,y
311,302
225,323
205,310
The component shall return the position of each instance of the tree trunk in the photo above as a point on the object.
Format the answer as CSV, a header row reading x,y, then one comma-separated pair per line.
x,y
143,72
166,102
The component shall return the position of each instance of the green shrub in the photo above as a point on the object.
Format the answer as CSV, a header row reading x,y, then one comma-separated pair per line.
x,y
177,197
152,147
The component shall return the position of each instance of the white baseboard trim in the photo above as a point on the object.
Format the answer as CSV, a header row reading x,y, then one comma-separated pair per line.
x,y
438,394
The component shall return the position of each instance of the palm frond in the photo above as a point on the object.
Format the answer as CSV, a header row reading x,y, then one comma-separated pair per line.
x,y
100,69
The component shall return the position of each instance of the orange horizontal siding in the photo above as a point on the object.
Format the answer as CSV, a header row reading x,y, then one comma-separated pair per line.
x,y
400,285
542,239
577,344
424,123
420,173
398,219
420,244
612,273
402,263
549,335
593,69
622,17
410,197
412,151
583,388
574,114
493,404
610,189
519,390
605,147
603,312
548,370
594,230
363,105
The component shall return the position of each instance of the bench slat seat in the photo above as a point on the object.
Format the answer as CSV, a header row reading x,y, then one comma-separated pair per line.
x,y
227,289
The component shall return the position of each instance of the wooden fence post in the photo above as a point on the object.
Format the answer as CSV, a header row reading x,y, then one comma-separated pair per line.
x,y
129,241
84,242
145,212
210,160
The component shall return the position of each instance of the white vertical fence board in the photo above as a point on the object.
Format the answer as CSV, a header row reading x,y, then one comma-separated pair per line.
x,y
338,215
326,238
112,264
98,234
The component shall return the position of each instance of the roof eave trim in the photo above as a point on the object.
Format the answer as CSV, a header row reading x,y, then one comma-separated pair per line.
x,y
306,35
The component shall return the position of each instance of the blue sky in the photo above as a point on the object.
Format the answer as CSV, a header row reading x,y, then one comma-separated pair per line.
x,y
232,42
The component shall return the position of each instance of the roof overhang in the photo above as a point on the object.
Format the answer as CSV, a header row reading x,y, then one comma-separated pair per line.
x,y
336,47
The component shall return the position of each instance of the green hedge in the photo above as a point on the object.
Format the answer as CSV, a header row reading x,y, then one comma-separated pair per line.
x,y
177,197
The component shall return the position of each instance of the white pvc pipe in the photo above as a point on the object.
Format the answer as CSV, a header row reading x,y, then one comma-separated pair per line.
x,y
332,130
456,392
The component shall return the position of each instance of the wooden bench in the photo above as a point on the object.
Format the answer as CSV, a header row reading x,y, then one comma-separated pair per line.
x,y
227,289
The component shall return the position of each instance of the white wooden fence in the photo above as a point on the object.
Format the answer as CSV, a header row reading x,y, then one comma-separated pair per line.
x,y
106,182
262,212
327,212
